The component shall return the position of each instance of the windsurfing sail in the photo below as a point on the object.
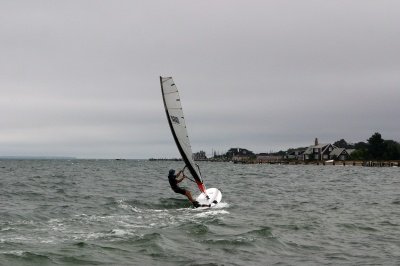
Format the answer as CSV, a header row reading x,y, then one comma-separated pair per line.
x,y
176,121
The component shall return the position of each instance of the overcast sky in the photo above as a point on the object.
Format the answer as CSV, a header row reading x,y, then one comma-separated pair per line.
x,y
81,78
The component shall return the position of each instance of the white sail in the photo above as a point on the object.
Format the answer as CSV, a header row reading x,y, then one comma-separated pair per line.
x,y
176,120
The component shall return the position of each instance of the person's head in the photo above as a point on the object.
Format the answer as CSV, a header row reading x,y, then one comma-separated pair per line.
x,y
171,172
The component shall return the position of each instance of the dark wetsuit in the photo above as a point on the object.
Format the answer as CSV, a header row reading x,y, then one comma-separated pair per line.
x,y
174,185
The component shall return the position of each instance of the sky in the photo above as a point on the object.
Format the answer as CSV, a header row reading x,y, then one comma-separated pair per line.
x,y
81,78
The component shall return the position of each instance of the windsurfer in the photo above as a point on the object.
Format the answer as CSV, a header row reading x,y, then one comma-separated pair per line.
x,y
174,180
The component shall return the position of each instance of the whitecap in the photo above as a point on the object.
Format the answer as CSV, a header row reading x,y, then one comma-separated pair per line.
x,y
47,241
92,236
123,205
119,232
221,205
13,252
211,213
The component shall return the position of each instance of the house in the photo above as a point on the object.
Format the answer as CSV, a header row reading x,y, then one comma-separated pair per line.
x,y
340,154
239,154
294,154
321,152
266,157
318,151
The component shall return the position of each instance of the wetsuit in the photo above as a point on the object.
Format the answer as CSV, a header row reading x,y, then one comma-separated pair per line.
x,y
174,185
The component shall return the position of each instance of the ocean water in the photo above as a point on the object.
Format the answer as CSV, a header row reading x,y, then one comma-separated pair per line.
x,y
108,212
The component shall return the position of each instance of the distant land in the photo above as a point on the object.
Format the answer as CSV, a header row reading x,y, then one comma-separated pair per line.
x,y
36,158
376,148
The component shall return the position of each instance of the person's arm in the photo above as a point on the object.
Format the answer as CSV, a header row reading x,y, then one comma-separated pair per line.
x,y
178,178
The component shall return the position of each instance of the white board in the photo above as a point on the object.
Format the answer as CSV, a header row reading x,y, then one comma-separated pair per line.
x,y
213,193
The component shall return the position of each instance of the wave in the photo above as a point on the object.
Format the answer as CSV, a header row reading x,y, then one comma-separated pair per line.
x,y
352,226
230,242
262,231
396,201
80,260
27,257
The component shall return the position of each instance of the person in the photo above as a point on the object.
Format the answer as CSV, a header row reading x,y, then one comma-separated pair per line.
x,y
174,180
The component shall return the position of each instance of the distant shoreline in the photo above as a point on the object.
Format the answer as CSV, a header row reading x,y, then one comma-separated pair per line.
x,y
37,158
166,159
367,163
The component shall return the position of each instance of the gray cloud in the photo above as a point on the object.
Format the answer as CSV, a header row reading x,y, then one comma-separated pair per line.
x,y
80,78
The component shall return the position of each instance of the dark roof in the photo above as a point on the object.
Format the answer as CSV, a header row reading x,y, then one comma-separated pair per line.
x,y
310,150
337,151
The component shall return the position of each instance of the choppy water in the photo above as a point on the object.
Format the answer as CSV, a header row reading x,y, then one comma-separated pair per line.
x,y
107,212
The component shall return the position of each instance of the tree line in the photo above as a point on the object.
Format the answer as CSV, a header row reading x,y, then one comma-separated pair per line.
x,y
376,148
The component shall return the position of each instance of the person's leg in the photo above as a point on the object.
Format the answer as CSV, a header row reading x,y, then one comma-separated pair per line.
x,y
189,195
186,193
194,202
